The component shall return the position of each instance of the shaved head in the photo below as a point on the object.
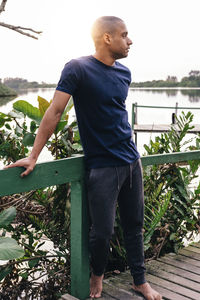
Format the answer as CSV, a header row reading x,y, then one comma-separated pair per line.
x,y
105,24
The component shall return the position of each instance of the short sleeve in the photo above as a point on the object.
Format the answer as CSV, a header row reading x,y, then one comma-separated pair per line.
x,y
70,78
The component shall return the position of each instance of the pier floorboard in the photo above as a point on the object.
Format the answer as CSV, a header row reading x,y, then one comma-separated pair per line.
x,y
175,276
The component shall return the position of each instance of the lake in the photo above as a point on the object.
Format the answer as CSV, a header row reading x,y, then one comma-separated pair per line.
x,y
185,97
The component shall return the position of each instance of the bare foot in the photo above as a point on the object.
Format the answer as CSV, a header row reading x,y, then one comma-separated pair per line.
x,y
146,290
96,286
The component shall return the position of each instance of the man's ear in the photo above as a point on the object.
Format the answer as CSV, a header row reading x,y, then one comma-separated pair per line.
x,y
107,38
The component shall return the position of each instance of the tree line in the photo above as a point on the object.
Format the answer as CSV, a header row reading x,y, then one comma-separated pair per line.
x,y
192,80
20,83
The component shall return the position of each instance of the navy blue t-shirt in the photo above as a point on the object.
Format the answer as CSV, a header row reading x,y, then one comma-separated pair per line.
x,y
99,92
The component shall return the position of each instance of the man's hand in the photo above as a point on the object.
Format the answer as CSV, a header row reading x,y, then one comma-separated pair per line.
x,y
28,163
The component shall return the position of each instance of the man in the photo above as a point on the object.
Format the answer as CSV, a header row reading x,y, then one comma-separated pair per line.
x,y
99,86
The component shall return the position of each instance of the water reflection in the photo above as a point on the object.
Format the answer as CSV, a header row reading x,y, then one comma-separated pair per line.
x,y
168,92
22,92
5,100
194,95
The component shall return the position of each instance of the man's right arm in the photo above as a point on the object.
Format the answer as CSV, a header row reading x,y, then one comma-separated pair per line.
x,y
48,124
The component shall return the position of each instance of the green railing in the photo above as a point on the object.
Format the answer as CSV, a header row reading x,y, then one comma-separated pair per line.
x,y
135,106
72,170
55,173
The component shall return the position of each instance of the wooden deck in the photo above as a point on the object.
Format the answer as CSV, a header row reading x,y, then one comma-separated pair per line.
x,y
176,277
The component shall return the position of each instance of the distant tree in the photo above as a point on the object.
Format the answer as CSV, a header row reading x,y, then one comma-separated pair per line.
x,y
194,73
15,83
19,29
171,78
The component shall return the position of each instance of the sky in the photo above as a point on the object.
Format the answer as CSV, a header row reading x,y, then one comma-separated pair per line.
x,y
165,35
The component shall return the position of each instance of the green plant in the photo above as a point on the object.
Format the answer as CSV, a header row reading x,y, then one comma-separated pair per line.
x,y
9,249
181,216
44,213
17,133
171,206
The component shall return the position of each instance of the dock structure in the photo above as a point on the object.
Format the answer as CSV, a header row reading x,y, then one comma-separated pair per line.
x,y
174,276
159,128
162,128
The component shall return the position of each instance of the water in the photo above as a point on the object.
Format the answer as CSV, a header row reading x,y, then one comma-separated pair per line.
x,y
143,96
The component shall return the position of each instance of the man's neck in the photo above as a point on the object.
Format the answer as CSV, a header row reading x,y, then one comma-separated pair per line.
x,y
107,60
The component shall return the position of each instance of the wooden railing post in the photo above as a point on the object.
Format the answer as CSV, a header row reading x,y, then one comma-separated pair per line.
x,y
79,241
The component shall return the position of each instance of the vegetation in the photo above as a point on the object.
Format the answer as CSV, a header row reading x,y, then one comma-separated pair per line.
x,y
37,273
20,83
192,80
170,206
6,91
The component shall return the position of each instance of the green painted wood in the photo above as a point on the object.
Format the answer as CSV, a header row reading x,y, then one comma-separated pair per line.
x,y
159,159
79,242
44,174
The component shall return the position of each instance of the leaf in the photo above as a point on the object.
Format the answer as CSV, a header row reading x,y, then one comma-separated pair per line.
x,y
7,126
28,110
28,139
70,104
43,105
33,263
33,126
60,126
4,272
7,216
24,275
4,118
9,249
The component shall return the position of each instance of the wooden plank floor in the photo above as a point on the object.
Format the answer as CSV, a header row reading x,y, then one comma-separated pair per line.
x,y
176,277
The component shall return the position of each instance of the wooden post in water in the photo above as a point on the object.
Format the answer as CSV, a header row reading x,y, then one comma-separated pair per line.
x,y
79,241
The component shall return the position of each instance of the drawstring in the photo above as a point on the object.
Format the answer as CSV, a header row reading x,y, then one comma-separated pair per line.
x,y
131,171
117,178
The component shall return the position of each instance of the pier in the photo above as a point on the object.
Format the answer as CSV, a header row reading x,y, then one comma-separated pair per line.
x,y
160,128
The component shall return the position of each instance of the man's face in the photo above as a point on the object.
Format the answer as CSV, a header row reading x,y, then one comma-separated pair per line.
x,y
120,42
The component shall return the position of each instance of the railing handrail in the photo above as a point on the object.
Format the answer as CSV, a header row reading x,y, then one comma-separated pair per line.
x,y
72,170
45,174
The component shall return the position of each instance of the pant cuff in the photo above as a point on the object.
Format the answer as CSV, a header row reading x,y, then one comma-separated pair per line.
x,y
139,279
97,273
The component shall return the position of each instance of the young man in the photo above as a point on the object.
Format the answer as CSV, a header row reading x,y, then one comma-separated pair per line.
x,y
99,86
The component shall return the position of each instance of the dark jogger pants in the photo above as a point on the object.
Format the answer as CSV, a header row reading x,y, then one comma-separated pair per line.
x,y
105,187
